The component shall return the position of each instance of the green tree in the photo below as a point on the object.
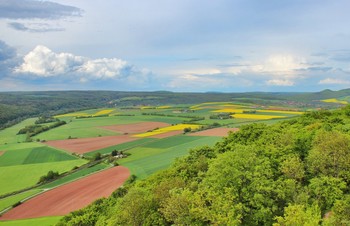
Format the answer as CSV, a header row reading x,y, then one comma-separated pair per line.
x,y
299,215
326,190
239,185
97,156
293,168
340,214
330,155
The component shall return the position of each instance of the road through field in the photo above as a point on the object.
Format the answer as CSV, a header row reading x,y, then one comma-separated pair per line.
x,y
69,197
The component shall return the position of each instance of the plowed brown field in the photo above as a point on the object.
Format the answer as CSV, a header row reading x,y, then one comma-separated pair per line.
x,y
84,145
218,132
140,127
69,197
2,152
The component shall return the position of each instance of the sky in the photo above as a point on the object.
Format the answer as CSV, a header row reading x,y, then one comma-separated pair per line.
x,y
175,45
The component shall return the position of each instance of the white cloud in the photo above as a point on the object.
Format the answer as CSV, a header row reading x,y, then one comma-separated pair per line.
x,y
43,62
332,81
104,68
282,64
280,82
275,70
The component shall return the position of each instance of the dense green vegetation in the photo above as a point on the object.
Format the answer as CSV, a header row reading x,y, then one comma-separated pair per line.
x,y
295,172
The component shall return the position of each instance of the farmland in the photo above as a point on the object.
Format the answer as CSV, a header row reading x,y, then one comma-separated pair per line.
x,y
151,137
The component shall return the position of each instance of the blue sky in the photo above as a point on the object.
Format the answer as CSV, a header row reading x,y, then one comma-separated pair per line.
x,y
175,45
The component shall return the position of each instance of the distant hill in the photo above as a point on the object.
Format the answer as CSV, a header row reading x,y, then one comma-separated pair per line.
x,y
16,106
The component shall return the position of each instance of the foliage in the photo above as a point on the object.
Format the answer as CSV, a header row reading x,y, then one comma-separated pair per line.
x,y
33,130
51,175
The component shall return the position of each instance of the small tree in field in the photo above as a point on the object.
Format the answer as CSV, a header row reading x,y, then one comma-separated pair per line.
x,y
187,130
114,153
97,156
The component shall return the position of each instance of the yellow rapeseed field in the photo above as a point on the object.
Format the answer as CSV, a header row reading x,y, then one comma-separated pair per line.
x,y
75,114
282,112
255,116
168,129
163,107
147,107
103,112
208,103
232,105
334,100
228,110
83,114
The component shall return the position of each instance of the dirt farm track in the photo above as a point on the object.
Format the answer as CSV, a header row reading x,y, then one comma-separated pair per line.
x,y
71,196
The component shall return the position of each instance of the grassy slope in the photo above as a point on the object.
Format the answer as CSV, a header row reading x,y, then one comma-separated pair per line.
x,y
16,146
34,155
145,161
22,176
74,176
9,201
44,221
9,135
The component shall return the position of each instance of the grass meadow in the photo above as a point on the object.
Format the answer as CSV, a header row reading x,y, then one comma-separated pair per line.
x,y
9,201
22,176
158,155
43,221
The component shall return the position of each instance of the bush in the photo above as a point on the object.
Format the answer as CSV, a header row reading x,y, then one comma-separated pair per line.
x,y
97,156
48,177
16,204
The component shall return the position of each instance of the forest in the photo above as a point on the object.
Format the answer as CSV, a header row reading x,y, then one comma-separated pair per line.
x,y
295,172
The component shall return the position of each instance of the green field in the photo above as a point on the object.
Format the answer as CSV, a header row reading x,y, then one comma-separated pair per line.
x,y
144,161
89,127
17,177
43,221
74,176
171,141
121,147
9,201
34,155
9,135
16,146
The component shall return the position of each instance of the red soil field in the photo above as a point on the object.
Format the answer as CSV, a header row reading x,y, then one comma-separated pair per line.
x,y
69,197
84,145
2,152
216,132
140,127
